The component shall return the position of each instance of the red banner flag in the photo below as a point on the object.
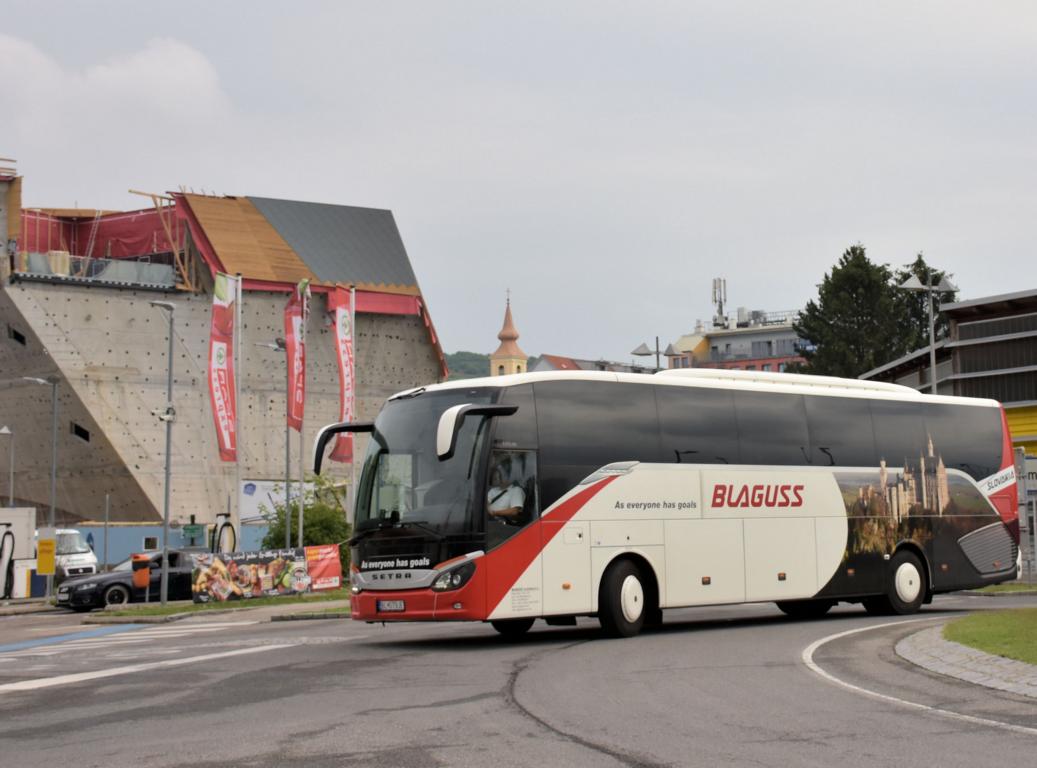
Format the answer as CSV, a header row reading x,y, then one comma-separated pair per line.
x,y
295,312
221,365
340,309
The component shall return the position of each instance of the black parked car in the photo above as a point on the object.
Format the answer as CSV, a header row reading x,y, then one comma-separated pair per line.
x,y
84,593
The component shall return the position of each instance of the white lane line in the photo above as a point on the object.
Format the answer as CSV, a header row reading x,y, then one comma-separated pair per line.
x,y
808,659
50,682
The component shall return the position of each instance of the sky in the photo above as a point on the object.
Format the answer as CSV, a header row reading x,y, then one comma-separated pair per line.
x,y
604,161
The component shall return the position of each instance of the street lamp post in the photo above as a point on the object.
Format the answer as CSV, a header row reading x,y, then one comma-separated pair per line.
x,y
914,284
53,381
167,415
279,345
643,351
5,430
10,488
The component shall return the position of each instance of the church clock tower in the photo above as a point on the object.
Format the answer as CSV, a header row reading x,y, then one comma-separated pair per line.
x,y
508,358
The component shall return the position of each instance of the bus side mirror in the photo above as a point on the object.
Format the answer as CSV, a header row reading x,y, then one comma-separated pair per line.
x,y
451,421
334,429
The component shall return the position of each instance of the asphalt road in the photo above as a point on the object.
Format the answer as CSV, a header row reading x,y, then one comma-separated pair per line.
x,y
712,686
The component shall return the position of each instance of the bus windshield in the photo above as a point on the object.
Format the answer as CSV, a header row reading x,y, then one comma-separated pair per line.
x,y
405,484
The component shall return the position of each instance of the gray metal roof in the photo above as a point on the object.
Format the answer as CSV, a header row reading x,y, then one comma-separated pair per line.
x,y
341,243
921,354
1004,297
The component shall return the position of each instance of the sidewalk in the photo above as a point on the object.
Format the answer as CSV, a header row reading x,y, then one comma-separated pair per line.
x,y
929,650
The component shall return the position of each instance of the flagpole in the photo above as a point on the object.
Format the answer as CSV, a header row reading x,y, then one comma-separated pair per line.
x,y
302,412
352,408
238,373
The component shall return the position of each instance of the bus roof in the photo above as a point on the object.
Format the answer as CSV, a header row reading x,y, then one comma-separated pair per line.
x,y
718,378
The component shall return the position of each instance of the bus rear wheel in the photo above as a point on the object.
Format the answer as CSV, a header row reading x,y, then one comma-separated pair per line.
x,y
512,629
905,591
621,600
805,609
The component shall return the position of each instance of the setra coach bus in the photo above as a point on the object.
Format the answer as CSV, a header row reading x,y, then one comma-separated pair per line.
x,y
559,495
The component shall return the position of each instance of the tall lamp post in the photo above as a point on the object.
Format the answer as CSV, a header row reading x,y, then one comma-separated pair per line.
x,y
168,415
643,351
53,381
945,285
5,430
280,345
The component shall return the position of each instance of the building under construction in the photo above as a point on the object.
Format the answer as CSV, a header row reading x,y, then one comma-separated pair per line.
x,y
75,322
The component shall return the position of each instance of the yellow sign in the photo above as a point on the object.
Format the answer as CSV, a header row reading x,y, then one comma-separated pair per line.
x,y
45,557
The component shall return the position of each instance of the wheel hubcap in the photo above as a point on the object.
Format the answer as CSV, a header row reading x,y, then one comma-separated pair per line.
x,y
632,598
908,582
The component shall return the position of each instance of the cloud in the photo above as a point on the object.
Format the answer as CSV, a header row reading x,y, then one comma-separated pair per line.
x,y
129,113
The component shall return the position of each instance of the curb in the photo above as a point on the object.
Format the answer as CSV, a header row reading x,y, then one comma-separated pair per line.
x,y
29,611
309,616
929,650
1019,593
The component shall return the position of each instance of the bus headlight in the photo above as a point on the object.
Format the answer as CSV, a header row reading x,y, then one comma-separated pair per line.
x,y
454,578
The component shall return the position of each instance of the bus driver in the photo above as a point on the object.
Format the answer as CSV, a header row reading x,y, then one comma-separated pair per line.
x,y
505,499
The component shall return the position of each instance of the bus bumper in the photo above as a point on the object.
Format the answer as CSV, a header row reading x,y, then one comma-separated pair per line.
x,y
464,604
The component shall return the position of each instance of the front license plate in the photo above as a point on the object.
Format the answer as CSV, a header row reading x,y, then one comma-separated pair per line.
x,y
62,597
386,606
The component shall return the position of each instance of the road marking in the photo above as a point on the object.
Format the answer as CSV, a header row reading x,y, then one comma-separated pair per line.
x,y
808,659
50,682
113,636
99,632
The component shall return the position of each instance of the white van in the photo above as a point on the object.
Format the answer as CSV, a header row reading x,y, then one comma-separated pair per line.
x,y
73,556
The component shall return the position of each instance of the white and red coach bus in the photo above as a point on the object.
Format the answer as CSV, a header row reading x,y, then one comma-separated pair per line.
x,y
557,495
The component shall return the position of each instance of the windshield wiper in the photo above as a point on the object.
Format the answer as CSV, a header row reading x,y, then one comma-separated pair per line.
x,y
383,525
423,526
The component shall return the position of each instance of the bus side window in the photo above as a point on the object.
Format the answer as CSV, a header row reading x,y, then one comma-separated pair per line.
x,y
968,439
841,432
697,425
772,428
900,436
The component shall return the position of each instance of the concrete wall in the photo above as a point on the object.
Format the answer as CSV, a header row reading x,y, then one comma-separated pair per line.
x,y
108,348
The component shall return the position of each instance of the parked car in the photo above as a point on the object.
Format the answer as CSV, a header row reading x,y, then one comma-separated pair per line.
x,y
100,590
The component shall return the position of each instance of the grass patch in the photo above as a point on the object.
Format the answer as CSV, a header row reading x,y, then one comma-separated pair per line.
x,y
1012,634
1012,586
252,602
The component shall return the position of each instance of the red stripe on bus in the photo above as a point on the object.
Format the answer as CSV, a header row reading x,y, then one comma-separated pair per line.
x,y
509,561
1006,500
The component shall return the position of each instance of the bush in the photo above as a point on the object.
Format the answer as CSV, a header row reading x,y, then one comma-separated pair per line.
x,y
324,521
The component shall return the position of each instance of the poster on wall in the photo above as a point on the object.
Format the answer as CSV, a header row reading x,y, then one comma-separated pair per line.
x,y
218,577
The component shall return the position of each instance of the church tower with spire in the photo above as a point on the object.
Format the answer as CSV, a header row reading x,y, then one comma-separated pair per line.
x,y
508,358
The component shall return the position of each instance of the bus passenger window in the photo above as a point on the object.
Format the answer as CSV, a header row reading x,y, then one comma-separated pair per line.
x,y
511,495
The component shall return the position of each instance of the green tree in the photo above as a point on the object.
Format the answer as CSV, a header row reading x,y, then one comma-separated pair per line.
x,y
852,327
324,520
467,365
861,319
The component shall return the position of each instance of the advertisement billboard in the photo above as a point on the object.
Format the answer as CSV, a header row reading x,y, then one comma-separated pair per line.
x,y
219,577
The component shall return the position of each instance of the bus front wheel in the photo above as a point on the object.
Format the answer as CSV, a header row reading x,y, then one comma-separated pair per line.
x,y
621,600
905,591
